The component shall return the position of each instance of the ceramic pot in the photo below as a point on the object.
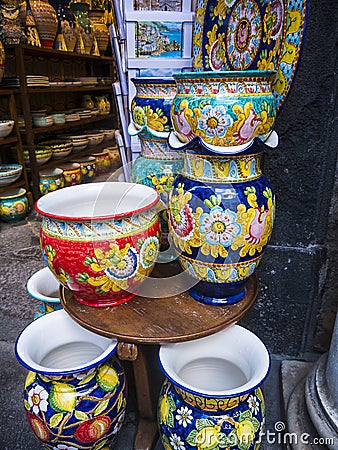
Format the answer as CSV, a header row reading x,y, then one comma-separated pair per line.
x,y
221,214
103,104
75,390
157,167
150,108
66,23
2,61
100,240
44,287
13,205
46,21
88,168
71,173
114,156
50,180
100,29
212,398
11,32
87,101
224,108
102,160
80,10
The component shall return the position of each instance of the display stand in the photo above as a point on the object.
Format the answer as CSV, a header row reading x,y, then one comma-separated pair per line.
x,y
143,321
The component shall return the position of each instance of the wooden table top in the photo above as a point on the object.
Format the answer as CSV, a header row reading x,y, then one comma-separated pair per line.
x,y
145,320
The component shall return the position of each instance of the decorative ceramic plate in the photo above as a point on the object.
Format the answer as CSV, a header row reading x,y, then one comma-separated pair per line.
x,y
251,34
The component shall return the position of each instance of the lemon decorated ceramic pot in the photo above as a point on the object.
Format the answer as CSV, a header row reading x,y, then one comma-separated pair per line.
x,y
211,398
75,390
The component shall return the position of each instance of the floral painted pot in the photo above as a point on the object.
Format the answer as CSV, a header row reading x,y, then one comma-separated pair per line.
x,y
75,390
44,287
71,173
13,205
212,398
102,160
46,21
157,167
51,180
88,168
221,214
150,108
100,240
224,108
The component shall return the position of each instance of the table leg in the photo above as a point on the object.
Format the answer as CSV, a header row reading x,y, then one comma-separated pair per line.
x,y
147,431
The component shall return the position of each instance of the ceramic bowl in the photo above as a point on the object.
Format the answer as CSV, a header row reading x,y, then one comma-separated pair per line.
x,y
59,118
71,173
100,240
13,205
108,134
50,180
6,127
60,147
43,121
95,139
88,168
41,156
114,155
9,173
224,108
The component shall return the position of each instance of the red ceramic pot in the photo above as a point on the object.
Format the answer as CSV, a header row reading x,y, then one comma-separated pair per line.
x,y
100,240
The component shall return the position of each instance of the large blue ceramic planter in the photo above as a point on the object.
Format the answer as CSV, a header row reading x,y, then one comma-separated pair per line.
x,y
212,398
221,214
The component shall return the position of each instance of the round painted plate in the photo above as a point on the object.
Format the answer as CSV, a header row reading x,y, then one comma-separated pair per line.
x,y
251,34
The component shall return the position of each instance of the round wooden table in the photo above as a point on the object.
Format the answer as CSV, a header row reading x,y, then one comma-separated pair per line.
x,y
143,321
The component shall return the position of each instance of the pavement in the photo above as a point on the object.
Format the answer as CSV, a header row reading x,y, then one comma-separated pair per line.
x,y
20,257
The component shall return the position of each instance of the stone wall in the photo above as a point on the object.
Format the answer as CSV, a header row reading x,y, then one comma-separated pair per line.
x,y
294,270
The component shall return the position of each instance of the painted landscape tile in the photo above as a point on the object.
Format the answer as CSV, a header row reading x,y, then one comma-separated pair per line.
x,y
159,39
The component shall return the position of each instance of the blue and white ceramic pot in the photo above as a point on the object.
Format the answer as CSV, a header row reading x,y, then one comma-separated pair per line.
x,y
157,167
44,287
221,215
150,107
212,398
75,391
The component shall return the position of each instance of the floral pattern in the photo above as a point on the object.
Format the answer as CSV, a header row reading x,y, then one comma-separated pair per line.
x,y
214,121
231,425
37,399
149,252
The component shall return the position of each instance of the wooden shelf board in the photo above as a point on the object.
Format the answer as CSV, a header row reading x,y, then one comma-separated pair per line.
x,y
16,184
8,140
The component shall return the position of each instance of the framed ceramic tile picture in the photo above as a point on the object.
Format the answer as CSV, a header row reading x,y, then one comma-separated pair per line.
x,y
159,35
157,5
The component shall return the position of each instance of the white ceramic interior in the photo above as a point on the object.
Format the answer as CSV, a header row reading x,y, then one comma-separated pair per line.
x,y
50,172
225,364
6,127
12,193
97,200
43,286
55,344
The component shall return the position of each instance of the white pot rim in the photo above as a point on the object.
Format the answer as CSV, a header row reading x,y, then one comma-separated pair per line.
x,y
33,334
32,288
169,355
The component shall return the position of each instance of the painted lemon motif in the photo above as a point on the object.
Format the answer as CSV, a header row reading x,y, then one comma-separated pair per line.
x,y
107,378
164,409
207,438
31,377
62,397
245,431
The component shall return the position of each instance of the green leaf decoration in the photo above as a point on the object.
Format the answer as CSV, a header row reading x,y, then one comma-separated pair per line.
x,y
55,420
170,419
26,404
62,397
191,439
88,261
82,277
222,440
80,415
250,190
86,379
101,444
256,424
141,240
245,415
101,407
232,438
242,446
172,403
31,377
107,378
203,423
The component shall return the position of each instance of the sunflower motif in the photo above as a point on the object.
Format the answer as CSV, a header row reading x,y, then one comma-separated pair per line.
x,y
149,251
139,116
